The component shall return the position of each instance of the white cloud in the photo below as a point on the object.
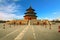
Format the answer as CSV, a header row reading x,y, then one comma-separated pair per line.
x,y
7,12
46,18
9,16
8,0
1,1
9,8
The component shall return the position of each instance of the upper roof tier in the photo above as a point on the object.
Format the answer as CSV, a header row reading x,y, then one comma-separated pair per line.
x,y
30,8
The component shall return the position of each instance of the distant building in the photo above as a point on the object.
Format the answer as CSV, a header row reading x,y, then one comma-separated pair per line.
x,y
30,14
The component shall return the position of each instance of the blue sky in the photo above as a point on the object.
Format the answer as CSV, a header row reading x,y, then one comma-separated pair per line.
x,y
15,9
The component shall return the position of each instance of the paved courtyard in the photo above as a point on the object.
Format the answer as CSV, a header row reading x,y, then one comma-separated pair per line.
x,y
29,32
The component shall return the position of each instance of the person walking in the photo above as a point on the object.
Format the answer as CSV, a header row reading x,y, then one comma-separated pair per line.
x,y
58,28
